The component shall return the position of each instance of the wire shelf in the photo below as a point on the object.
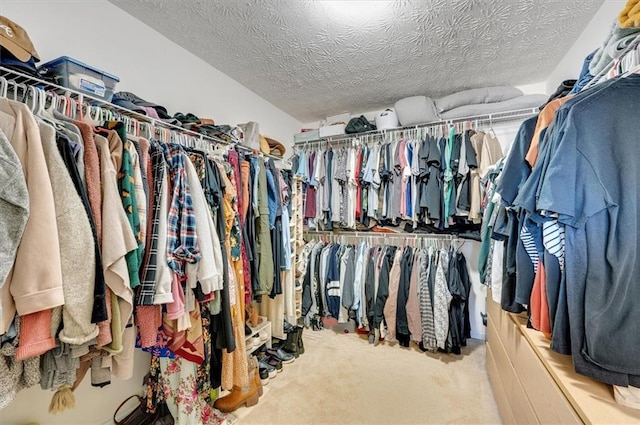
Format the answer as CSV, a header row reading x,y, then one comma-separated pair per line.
x,y
494,118
120,112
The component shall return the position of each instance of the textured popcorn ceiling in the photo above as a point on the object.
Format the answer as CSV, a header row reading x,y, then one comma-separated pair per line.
x,y
316,58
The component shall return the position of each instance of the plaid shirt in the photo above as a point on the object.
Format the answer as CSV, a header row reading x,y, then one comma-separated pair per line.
x,y
148,272
182,242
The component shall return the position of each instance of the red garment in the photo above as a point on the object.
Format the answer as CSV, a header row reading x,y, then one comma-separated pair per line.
x,y
539,306
35,335
148,320
245,174
188,344
241,201
310,198
358,186
92,175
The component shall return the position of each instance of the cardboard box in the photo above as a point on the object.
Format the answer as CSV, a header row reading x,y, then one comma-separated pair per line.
x,y
343,117
332,130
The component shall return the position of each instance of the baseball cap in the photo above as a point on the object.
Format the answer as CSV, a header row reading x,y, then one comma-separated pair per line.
x,y
16,40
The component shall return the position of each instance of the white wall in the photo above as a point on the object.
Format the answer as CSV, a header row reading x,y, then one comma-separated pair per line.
x,y
93,405
98,33
505,132
158,70
591,38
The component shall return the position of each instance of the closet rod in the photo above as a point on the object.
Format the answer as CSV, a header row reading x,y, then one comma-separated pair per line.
x,y
403,235
24,79
498,117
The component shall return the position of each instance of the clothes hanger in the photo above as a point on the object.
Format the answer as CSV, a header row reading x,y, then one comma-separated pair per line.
x,y
104,115
31,99
491,132
53,105
42,101
41,110
10,84
16,92
3,87
94,113
61,104
146,130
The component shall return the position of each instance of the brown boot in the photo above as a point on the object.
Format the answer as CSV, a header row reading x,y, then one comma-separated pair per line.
x,y
237,397
254,374
254,317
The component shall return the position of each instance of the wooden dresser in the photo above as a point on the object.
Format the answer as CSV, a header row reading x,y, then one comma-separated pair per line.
x,y
534,385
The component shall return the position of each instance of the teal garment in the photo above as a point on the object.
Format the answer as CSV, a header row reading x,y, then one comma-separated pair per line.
x,y
126,187
485,246
487,225
447,178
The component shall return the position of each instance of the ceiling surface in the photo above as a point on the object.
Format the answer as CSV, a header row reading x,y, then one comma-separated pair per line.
x,y
317,58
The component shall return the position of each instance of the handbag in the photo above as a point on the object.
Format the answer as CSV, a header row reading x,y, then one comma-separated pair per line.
x,y
359,125
140,416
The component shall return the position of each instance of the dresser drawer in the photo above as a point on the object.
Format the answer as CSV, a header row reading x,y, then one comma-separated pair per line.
x,y
550,404
521,407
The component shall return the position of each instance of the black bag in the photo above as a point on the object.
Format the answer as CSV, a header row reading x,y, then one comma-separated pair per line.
x,y
359,125
139,415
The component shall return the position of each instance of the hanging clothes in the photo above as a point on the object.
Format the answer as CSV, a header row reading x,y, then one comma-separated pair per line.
x,y
390,291
426,183
572,210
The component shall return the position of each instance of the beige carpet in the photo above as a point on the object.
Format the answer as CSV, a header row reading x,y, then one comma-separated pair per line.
x,y
342,379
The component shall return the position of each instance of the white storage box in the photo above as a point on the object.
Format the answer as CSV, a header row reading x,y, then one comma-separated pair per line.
x,y
386,119
306,136
331,130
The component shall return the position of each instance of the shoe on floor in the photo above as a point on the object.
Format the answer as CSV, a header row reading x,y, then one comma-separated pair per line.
x,y
237,397
281,355
271,361
272,372
264,375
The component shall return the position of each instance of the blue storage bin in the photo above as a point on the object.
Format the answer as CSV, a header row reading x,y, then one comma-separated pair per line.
x,y
75,75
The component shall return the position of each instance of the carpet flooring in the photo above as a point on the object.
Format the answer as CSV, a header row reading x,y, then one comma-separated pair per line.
x,y
342,379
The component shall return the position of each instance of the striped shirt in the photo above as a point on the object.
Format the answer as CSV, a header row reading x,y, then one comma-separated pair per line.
x,y
148,275
529,242
553,240
425,261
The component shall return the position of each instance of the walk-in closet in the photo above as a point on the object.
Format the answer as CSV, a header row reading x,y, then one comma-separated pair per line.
x,y
226,212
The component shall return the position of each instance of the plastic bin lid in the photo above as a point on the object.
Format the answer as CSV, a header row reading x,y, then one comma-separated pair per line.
x,y
55,62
